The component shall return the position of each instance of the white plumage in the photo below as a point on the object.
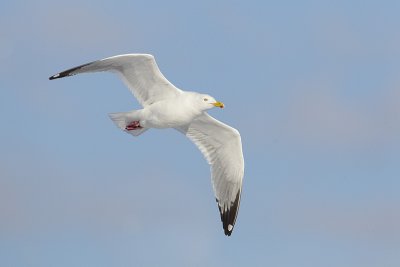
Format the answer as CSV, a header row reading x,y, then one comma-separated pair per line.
x,y
165,106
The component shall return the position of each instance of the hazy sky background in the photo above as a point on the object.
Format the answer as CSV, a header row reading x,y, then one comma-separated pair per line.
x,y
313,87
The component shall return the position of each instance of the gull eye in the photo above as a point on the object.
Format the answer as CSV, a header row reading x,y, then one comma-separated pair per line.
x,y
205,99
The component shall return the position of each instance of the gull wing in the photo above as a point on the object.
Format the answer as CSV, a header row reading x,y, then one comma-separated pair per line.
x,y
139,72
222,147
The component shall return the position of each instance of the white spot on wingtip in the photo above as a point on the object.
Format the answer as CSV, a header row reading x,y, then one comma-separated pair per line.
x,y
55,76
230,227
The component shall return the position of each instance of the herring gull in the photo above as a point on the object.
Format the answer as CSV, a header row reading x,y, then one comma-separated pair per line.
x,y
165,106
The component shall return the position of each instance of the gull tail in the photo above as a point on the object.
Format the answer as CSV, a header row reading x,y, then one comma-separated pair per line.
x,y
128,122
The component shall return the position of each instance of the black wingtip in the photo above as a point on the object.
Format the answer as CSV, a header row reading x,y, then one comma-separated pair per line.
x,y
228,217
68,72
56,76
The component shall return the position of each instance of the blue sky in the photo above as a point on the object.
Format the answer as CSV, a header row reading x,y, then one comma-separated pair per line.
x,y
313,87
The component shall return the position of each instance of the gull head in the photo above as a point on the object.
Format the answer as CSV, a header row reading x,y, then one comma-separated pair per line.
x,y
208,102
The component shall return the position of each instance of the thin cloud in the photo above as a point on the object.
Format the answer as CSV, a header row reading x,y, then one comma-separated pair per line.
x,y
372,221
63,29
317,116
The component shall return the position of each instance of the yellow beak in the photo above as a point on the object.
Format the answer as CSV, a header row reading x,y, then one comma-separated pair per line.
x,y
218,104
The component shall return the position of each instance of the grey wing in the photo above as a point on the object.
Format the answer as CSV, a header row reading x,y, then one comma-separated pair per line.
x,y
222,147
139,72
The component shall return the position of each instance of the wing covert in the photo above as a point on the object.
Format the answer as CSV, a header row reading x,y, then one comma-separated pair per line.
x,y
222,147
139,72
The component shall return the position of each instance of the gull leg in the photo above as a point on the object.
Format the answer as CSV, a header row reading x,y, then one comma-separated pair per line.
x,y
134,125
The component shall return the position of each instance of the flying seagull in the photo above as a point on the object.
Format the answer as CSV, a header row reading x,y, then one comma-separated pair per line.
x,y
165,106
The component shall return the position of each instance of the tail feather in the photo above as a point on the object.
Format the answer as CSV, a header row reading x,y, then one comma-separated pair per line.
x,y
122,119
119,119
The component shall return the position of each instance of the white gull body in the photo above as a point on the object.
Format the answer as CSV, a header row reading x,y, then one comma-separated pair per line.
x,y
165,106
